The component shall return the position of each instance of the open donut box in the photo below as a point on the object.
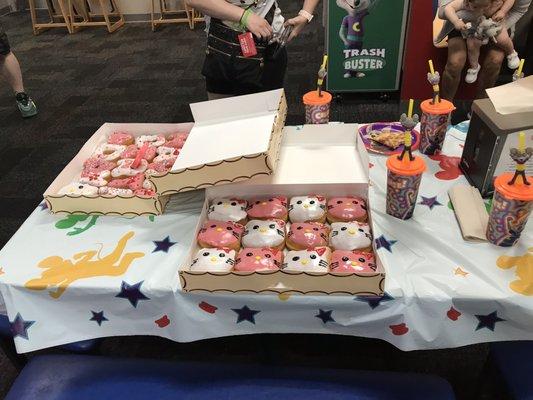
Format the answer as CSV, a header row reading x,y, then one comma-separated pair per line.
x,y
232,140
329,160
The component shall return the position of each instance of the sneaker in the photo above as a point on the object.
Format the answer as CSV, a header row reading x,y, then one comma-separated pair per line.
x,y
513,62
360,75
471,74
347,75
26,105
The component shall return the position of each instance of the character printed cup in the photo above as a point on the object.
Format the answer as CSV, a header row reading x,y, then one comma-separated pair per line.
x,y
433,125
403,181
317,107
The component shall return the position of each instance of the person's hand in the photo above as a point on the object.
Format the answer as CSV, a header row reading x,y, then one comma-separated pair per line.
x,y
499,16
297,24
259,26
460,25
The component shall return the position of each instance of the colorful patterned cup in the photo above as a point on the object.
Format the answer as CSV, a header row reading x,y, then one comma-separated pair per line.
x,y
433,125
511,207
317,107
403,181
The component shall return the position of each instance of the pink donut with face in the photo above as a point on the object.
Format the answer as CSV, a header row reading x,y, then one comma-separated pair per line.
x,y
352,261
272,208
251,259
307,235
220,234
120,138
346,209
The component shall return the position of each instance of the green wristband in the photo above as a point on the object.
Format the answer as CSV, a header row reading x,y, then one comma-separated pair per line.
x,y
244,19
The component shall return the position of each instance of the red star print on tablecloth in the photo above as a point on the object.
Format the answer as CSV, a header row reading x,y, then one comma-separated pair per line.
x,y
449,166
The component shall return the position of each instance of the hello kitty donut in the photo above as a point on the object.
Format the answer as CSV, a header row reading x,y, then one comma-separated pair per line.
x,y
264,233
95,179
124,168
346,209
79,189
251,259
132,151
213,260
233,210
307,235
343,261
124,139
220,234
110,152
307,209
176,140
350,236
107,191
95,165
311,260
273,208
153,140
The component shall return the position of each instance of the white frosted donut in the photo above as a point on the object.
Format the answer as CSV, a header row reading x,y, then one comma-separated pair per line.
x,y
153,140
107,191
228,210
110,152
216,260
79,189
96,179
307,209
350,236
124,168
310,260
268,233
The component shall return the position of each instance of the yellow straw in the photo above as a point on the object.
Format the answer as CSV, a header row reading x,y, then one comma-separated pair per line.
x,y
521,142
519,72
411,105
431,69
324,61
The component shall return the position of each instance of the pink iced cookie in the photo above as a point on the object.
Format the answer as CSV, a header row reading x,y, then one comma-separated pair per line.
x,y
133,183
157,168
153,140
176,140
275,207
132,151
121,138
97,179
148,193
346,209
307,235
265,259
97,165
352,261
220,234
125,168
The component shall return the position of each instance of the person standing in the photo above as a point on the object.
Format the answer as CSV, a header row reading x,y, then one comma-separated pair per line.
x,y
11,72
226,69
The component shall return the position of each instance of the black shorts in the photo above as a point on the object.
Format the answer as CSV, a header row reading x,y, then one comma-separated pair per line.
x,y
454,33
5,48
227,72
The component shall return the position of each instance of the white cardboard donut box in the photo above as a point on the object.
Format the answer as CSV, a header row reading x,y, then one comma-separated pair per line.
x,y
329,160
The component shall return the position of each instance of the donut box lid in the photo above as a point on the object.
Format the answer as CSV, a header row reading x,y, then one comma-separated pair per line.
x,y
233,139
117,205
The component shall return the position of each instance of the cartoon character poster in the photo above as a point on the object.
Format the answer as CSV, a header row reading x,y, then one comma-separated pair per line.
x,y
365,44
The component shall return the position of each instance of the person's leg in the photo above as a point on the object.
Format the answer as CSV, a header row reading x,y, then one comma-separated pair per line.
x,y
474,47
452,72
489,70
11,72
506,44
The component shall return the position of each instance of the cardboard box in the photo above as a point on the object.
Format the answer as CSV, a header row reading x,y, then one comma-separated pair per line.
x,y
117,205
329,160
233,139
490,137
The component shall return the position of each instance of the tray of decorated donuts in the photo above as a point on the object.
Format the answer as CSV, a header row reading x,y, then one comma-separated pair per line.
x,y
282,235
111,173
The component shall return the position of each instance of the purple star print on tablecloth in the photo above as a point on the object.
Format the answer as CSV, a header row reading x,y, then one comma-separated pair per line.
x,y
43,206
488,321
430,202
19,327
325,316
98,317
382,242
132,293
163,245
374,301
245,314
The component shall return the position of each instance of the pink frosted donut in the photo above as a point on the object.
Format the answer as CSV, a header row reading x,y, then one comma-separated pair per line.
x,y
347,209
96,165
272,208
176,140
121,138
264,259
352,261
132,151
124,168
307,235
220,234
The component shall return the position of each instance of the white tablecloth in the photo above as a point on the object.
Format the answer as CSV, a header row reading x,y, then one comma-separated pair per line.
x,y
440,291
